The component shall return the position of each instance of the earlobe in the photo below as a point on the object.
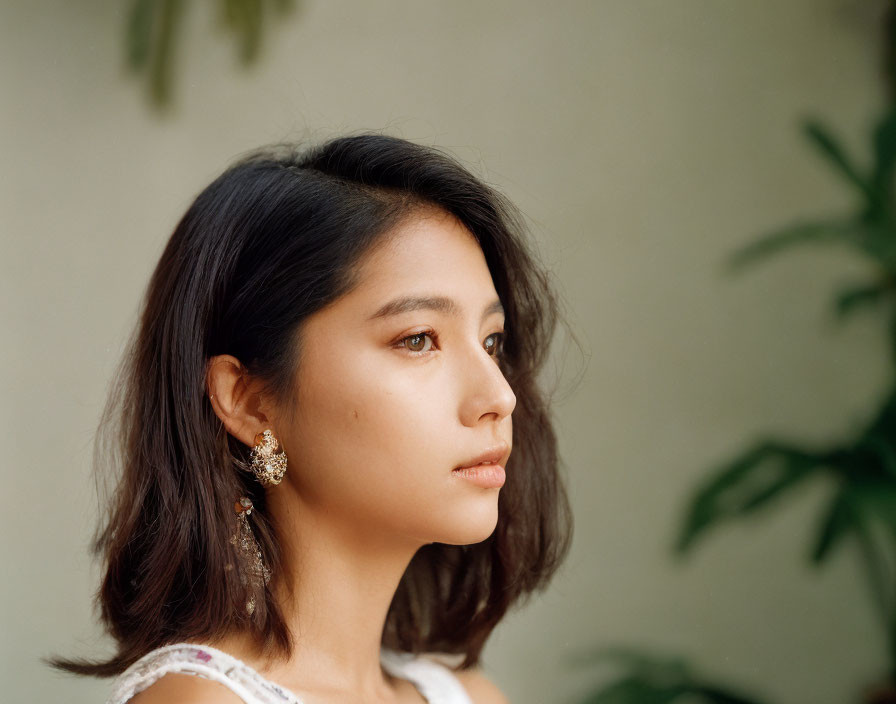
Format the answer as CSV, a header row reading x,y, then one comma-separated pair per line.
x,y
234,398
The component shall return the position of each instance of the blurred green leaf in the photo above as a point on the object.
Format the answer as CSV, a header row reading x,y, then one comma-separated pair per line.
x,y
875,501
721,696
834,153
880,581
834,525
161,60
884,141
634,690
881,445
139,34
837,231
153,26
877,240
851,298
752,480
652,679
245,17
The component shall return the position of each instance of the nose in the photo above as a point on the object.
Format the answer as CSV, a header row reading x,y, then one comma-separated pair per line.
x,y
486,391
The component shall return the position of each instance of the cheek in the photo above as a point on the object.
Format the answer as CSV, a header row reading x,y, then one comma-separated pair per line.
x,y
369,432
373,446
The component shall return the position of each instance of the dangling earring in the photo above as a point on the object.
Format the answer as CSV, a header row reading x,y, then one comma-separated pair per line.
x,y
253,569
267,464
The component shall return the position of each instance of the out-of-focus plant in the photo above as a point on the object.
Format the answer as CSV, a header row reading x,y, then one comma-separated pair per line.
x,y
861,468
153,27
654,679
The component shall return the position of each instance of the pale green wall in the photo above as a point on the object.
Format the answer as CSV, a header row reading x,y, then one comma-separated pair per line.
x,y
645,140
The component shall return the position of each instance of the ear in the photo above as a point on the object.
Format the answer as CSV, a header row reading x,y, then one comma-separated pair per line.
x,y
236,399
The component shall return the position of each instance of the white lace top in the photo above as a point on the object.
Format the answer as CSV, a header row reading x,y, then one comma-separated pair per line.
x,y
435,681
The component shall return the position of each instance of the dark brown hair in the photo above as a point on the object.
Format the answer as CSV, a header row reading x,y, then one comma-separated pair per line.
x,y
275,238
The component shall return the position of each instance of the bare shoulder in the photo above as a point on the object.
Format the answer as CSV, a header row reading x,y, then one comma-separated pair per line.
x,y
178,688
480,688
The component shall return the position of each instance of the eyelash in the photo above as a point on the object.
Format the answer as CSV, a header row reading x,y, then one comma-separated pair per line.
x,y
499,345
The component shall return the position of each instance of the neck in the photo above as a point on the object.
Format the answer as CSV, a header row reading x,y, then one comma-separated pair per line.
x,y
334,590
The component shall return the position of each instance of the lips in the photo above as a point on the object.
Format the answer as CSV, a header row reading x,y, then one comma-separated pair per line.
x,y
492,455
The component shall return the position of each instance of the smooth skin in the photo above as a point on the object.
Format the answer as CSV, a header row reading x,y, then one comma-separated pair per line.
x,y
385,407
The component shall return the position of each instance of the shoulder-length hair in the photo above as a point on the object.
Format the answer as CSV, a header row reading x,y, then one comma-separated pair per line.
x,y
276,237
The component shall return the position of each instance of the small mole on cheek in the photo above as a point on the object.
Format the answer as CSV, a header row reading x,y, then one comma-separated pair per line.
x,y
355,414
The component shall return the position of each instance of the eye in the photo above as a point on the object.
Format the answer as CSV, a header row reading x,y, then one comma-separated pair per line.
x,y
496,347
416,343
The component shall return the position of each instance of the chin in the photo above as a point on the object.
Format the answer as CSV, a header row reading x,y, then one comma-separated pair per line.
x,y
472,525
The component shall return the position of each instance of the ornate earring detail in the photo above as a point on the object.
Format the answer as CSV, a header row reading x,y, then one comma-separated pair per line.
x,y
253,571
267,464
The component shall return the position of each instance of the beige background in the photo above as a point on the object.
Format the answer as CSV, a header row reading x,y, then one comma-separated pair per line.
x,y
644,139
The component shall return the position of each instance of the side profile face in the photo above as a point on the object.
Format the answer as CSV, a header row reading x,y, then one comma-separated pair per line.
x,y
388,405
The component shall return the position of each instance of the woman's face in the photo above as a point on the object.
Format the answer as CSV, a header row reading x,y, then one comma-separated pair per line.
x,y
382,420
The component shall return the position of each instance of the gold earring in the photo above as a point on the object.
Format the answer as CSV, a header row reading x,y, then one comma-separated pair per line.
x,y
253,573
267,464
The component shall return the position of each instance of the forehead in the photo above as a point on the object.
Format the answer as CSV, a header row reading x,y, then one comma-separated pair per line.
x,y
430,253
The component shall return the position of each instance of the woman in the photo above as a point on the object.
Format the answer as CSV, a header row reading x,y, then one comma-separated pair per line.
x,y
336,464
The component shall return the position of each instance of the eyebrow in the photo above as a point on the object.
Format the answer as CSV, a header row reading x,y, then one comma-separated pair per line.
x,y
440,304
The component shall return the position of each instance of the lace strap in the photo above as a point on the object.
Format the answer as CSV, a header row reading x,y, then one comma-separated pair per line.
x,y
204,662
436,681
